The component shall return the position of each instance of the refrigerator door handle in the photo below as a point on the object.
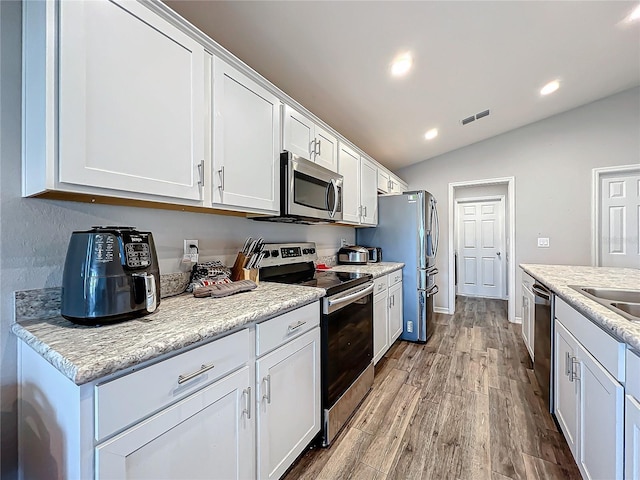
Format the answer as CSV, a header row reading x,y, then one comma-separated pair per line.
x,y
432,291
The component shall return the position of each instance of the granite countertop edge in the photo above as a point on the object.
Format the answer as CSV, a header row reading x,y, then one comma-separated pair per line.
x,y
83,371
616,325
375,269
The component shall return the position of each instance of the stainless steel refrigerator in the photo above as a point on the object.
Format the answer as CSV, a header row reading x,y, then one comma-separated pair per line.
x,y
407,231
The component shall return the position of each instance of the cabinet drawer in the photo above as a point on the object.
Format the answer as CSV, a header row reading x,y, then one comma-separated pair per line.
x,y
527,280
125,400
273,333
606,349
394,277
632,386
380,284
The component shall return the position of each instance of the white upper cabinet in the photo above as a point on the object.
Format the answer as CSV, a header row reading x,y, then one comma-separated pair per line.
x,y
368,192
304,137
349,168
383,181
396,186
246,142
131,101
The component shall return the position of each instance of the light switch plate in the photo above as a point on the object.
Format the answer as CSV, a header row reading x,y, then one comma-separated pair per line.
x,y
543,242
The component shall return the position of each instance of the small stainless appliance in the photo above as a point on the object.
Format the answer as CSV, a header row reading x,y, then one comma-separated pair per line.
x,y
375,254
346,324
110,274
408,232
542,338
309,193
353,255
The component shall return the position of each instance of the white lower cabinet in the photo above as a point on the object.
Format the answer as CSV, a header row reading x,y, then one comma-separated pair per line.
x,y
395,312
387,313
631,438
288,417
588,400
380,321
528,308
207,435
222,410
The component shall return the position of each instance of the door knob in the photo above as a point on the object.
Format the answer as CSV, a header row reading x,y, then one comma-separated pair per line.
x,y
498,254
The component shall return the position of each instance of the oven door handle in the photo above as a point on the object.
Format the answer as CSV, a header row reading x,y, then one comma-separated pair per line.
x,y
354,296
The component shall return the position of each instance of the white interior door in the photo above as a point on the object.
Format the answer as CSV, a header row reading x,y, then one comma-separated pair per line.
x,y
480,233
620,219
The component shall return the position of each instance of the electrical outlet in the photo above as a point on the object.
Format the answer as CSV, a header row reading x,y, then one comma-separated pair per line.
x,y
409,326
343,242
190,251
543,242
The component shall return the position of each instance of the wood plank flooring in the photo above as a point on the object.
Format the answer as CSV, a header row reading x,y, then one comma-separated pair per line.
x,y
464,406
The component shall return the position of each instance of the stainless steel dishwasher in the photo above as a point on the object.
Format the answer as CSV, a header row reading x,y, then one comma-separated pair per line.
x,y
542,342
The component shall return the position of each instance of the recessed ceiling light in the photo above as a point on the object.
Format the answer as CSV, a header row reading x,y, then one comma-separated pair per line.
x,y
634,15
401,65
550,87
431,134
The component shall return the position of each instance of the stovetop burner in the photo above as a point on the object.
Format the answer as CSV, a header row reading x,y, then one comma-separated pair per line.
x,y
292,263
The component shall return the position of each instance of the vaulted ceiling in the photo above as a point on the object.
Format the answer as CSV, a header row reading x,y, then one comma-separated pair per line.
x,y
334,58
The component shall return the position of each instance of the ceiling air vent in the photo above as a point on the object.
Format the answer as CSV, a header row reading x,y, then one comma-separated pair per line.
x,y
477,116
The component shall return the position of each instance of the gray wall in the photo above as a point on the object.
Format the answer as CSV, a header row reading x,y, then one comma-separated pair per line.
x,y
552,162
34,233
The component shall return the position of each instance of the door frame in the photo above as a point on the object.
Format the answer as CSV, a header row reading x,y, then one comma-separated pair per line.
x,y
510,240
503,244
596,176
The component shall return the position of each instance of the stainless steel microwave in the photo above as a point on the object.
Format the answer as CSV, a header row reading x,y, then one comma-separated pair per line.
x,y
309,193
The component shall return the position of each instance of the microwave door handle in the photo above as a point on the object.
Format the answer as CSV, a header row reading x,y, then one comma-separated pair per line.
x,y
335,198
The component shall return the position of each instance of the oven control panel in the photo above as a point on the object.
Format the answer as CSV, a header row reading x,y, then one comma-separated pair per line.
x,y
287,253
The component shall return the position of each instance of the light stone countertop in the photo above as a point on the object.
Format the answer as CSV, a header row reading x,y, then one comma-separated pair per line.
x,y
84,354
558,278
376,269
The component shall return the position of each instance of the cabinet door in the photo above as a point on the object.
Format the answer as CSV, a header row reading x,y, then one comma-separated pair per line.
x,y
288,386
349,168
326,149
131,101
380,328
246,133
368,191
207,435
601,426
631,438
383,181
395,312
397,186
298,133
566,388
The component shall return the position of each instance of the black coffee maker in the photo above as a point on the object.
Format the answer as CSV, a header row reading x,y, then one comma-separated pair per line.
x,y
110,274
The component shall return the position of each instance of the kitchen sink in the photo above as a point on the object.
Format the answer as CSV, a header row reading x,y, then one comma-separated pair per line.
x,y
619,300
613,294
632,309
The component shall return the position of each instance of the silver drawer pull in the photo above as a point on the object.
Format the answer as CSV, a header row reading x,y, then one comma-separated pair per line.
x,y
295,326
190,376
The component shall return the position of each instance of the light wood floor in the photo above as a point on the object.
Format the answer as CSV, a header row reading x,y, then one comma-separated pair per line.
x,y
464,406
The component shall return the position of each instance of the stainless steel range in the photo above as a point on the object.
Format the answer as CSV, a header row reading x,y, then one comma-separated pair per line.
x,y
346,326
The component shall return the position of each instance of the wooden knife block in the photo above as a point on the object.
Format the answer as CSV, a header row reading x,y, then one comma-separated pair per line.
x,y
238,272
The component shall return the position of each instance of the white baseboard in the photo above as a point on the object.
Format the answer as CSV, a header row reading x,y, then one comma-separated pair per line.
x,y
517,320
441,310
